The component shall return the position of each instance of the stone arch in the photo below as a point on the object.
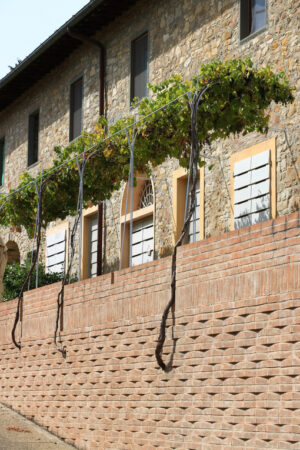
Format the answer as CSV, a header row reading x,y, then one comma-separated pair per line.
x,y
13,252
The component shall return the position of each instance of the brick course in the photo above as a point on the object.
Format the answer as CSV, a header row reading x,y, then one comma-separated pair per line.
x,y
235,381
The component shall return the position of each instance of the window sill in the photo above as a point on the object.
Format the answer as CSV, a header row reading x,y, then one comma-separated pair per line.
x,y
33,165
253,35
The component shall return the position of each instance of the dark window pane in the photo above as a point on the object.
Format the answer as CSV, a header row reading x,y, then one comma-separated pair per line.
x,y
258,15
33,138
76,109
253,16
2,156
139,63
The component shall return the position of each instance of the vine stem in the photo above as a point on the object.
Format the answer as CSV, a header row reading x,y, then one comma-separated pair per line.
x,y
39,191
193,172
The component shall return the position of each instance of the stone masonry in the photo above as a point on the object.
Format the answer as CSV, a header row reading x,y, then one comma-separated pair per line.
x,y
182,36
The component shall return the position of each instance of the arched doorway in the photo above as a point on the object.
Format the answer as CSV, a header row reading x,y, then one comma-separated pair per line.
x,y
13,253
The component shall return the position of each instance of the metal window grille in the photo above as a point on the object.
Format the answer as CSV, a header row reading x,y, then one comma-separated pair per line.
x,y
146,198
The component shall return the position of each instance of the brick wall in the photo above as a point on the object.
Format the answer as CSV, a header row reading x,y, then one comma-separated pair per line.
x,y
235,381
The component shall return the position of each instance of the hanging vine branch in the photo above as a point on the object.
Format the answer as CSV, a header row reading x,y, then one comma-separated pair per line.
x,y
39,194
66,279
193,175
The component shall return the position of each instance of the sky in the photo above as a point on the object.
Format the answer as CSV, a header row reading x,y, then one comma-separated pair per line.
x,y
25,24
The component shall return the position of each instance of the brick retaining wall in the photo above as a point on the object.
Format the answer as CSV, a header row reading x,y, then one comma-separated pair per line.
x,y
235,381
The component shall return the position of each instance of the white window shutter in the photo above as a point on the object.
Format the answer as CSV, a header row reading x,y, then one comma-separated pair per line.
x,y
142,241
93,245
252,202
56,250
194,225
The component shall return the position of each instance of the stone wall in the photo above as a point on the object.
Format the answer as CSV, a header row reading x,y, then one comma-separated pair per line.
x,y
183,35
235,378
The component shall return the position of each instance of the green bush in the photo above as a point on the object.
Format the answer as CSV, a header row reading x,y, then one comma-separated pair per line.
x,y
15,275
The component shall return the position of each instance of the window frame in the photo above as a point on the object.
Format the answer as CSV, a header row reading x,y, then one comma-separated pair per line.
x,y
35,112
87,215
71,125
269,144
180,177
131,87
2,162
137,214
242,20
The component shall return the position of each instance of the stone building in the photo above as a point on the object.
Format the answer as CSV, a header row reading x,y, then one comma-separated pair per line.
x,y
105,55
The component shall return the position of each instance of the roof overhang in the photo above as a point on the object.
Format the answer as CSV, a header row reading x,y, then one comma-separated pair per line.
x,y
94,16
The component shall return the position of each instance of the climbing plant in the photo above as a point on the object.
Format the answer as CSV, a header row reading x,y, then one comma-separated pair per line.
x,y
236,101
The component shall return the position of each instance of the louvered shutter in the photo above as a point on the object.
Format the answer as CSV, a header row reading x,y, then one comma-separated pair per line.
x,y
142,241
56,251
252,190
194,225
93,246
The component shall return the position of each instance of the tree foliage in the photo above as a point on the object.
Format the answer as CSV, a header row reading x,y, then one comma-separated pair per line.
x,y
15,275
236,101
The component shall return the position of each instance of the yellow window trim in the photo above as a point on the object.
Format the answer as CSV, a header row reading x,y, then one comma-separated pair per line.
x,y
270,144
179,191
86,215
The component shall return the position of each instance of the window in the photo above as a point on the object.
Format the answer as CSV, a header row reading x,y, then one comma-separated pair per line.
x,y
138,248
253,16
253,184
33,138
2,159
196,227
56,251
89,261
76,108
93,246
139,67
193,233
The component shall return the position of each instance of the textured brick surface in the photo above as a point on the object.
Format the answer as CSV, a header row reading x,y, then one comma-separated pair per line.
x,y
235,381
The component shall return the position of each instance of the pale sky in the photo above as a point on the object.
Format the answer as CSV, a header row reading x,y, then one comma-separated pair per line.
x,y
25,24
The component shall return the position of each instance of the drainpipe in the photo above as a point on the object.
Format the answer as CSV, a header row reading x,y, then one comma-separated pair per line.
x,y
101,48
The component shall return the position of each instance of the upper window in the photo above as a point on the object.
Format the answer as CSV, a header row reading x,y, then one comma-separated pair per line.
x,y
76,109
139,67
33,138
2,157
253,16
253,183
